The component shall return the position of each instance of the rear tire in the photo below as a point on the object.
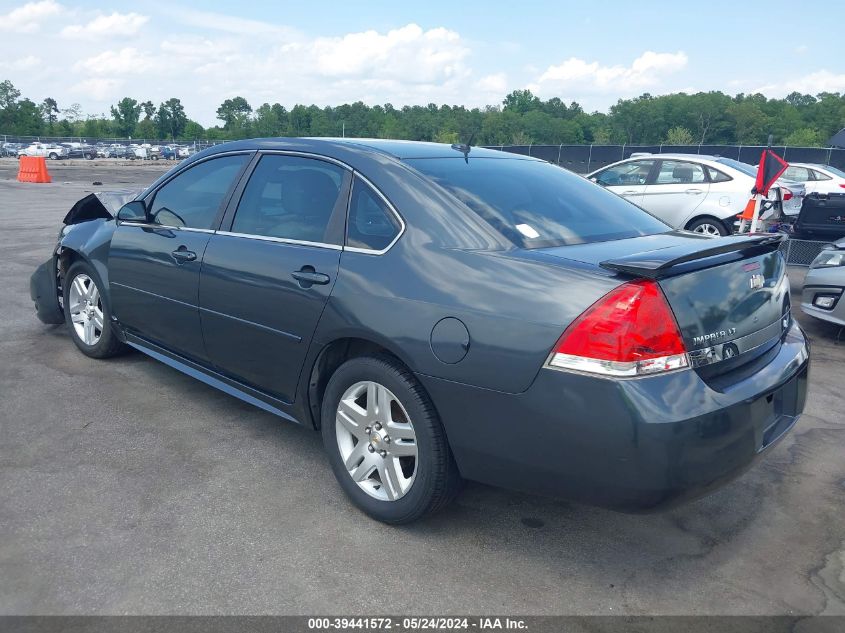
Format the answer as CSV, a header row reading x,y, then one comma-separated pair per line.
x,y
708,226
385,442
87,313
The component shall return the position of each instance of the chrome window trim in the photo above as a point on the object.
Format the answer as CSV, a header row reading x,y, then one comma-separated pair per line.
x,y
153,225
281,240
391,208
293,152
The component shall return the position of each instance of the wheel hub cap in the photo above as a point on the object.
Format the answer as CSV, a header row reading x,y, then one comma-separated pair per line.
x,y
376,440
86,309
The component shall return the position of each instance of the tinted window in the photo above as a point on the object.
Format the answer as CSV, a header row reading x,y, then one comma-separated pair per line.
x,y
633,173
193,198
536,204
371,223
290,197
745,168
676,172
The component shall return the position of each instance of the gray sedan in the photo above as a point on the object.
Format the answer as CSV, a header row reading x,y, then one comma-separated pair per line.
x,y
824,284
442,313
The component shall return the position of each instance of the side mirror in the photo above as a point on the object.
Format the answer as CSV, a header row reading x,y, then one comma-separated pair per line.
x,y
135,211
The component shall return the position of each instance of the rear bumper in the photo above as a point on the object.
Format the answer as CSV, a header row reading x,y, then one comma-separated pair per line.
x,y
42,290
630,445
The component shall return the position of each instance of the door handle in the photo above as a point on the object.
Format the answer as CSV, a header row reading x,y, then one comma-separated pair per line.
x,y
630,192
182,255
694,192
307,277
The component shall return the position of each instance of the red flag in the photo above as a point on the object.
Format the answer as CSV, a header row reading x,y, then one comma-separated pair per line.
x,y
770,169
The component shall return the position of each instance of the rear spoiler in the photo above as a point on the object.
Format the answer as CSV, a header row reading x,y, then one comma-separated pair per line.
x,y
674,260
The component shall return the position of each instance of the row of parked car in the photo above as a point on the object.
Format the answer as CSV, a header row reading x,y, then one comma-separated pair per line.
x,y
706,193
58,151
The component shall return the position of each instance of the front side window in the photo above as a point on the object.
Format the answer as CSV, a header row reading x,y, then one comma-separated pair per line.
x,y
371,224
194,197
290,197
535,204
676,172
632,173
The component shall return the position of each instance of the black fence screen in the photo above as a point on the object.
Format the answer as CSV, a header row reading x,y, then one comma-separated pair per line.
x,y
583,159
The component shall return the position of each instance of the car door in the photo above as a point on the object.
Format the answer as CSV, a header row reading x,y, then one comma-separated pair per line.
x,y
154,265
675,190
266,279
626,179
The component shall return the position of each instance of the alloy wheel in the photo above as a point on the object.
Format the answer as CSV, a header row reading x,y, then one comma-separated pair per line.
x,y
86,309
376,440
707,229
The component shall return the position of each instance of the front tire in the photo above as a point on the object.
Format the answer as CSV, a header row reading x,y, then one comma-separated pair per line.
x,y
87,313
385,442
53,156
708,226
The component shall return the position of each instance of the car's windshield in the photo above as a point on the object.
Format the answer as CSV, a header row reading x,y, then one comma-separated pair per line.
x,y
537,205
745,168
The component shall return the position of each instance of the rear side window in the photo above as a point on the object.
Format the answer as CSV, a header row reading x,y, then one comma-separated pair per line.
x,y
717,176
675,172
799,174
290,197
193,198
536,204
371,224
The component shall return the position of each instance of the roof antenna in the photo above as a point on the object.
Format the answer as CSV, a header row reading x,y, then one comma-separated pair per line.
x,y
465,147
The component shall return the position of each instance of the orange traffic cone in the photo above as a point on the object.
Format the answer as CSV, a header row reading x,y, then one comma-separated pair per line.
x,y
33,169
748,212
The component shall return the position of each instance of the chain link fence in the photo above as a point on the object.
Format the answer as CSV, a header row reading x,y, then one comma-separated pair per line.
x,y
801,252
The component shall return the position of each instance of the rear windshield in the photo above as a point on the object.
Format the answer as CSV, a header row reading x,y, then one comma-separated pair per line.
x,y
537,205
745,168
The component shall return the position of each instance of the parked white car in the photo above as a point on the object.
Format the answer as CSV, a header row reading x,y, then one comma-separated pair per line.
x,y
817,178
691,191
47,150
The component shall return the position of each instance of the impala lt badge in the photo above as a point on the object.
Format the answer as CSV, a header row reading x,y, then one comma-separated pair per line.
x,y
713,336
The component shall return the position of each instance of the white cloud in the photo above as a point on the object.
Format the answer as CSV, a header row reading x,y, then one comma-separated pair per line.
x,y
22,63
108,25
496,83
408,53
579,77
812,83
126,61
99,88
28,18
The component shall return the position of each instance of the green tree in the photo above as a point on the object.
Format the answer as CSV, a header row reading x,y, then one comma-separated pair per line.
x,y
804,137
171,119
126,114
193,130
49,110
521,101
234,113
679,136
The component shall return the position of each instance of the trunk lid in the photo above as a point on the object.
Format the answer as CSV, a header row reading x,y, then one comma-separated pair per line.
x,y
730,295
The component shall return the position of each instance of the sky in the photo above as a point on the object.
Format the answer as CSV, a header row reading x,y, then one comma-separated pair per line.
x,y
460,53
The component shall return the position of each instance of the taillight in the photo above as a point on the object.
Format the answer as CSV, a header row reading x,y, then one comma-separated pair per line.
x,y
631,331
786,193
842,185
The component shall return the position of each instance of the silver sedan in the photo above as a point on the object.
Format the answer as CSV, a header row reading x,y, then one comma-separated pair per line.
x,y
824,285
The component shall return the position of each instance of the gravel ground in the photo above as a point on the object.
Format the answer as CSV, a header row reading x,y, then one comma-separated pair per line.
x,y
128,488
